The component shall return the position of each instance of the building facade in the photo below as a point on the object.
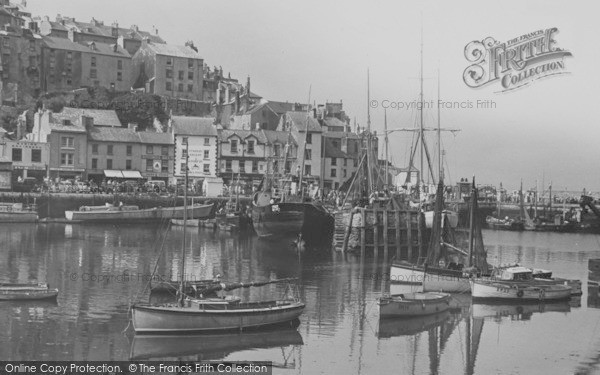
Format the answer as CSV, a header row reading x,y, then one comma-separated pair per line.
x,y
307,134
68,65
28,158
168,70
197,138
243,156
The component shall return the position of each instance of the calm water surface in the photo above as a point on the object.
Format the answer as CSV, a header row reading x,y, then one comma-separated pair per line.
x,y
100,270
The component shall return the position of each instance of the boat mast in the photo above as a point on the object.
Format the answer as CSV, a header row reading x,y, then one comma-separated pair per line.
x,y
369,161
421,136
301,189
439,133
472,223
182,271
386,148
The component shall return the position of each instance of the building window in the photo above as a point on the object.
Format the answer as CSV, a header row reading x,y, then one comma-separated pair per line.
x,y
119,76
184,153
287,166
254,166
227,165
308,154
169,61
277,149
334,161
168,86
234,144
164,151
129,150
184,140
206,168
345,162
206,154
190,75
190,88
344,173
94,163
251,147
309,138
333,172
149,149
93,61
182,167
108,163
242,166
128,164
307,170
181,75
109,149
119,64
207,141
17,154
67,142
164,167
169,73
36,155
149,167
180,87
66,159
93,73
190,64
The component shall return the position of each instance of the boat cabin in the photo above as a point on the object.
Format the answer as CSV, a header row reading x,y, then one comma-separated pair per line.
x,y
515,274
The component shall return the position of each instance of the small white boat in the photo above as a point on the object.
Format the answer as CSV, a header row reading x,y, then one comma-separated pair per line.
x,y
403,272
413,304
517,283
545,276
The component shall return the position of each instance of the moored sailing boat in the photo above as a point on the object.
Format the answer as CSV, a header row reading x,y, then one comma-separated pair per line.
x,y
191,314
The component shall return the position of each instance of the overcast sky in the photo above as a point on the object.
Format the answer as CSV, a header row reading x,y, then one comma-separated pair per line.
x,y
547,131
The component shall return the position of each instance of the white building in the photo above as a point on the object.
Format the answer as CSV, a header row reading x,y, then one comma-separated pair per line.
x,y
198,137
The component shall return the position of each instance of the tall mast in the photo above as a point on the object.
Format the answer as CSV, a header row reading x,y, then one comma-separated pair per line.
x,y
439,133
472,223
421,135
368,102
305,141
182,271
368,134
386,147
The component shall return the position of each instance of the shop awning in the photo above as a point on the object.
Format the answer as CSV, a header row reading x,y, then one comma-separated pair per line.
x,y
113,173
131,174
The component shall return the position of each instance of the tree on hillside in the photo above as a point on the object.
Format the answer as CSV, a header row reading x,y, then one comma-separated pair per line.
x,y
139,108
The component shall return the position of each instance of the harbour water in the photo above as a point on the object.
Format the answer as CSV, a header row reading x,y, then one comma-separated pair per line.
x,y
100,270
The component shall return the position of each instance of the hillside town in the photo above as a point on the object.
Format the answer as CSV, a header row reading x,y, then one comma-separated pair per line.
x,y
57,127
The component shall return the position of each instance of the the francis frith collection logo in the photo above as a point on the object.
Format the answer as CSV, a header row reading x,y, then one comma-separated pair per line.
x,y
515,63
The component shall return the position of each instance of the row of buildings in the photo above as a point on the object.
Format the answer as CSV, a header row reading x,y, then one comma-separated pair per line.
x,y
42,55
90,144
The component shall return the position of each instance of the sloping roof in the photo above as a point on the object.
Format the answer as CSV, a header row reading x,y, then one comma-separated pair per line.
x,y
98,28
173,50
277,136
188,125
102,117
280,107
333,152
110,134
100,48
155,138
243,134
334,121
300,119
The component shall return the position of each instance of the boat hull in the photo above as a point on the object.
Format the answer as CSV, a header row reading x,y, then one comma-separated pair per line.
x,y
19,217
158,319
406,273
448,283
285,219
413,304
494,290
131,215
12,292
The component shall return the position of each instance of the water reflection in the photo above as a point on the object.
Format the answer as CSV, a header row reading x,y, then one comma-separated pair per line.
x,y
339,331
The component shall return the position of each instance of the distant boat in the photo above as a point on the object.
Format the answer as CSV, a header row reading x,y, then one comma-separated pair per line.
x,y
504,224
191,287
134,213
213,346
16,213
517,283
413,304
9,292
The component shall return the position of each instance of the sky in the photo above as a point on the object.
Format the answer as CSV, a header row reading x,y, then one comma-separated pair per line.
x,y
547,131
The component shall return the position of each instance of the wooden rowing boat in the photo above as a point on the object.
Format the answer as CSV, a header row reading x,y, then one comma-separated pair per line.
x,y
11,292
413,304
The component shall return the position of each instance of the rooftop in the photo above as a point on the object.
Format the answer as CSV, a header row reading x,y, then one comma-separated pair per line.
x,y
333,152
243,134
98,48
188,125
173,50
276,136
102,117
301,119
